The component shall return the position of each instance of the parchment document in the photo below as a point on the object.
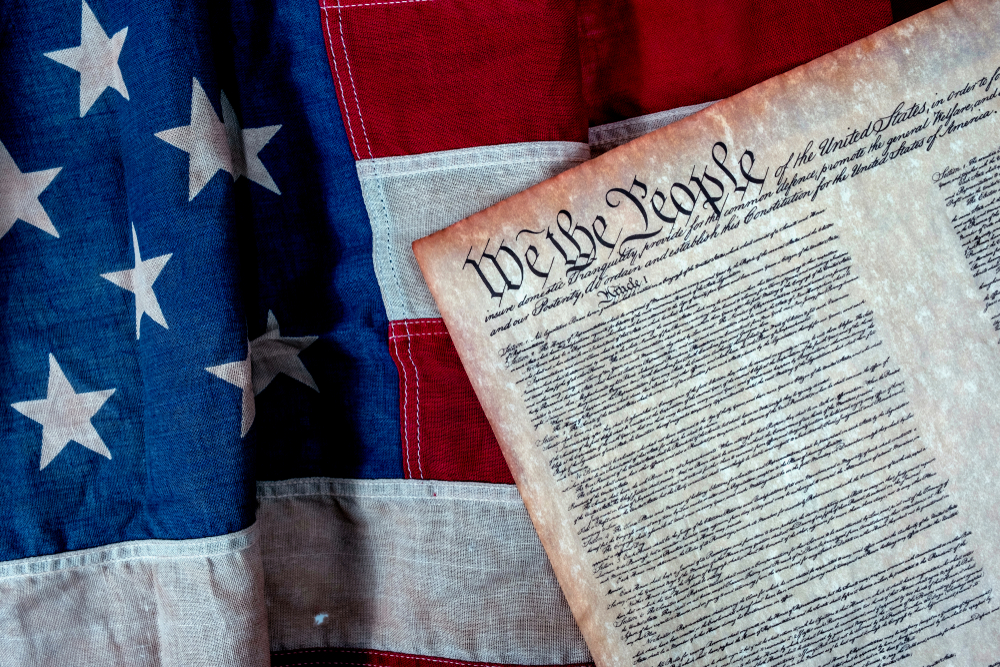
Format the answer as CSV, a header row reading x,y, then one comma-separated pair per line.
x,y
746,369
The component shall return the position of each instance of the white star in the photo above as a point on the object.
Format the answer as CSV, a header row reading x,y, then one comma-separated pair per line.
x,y
272,353
212,145
238,373
19,195
96,59
65,415
139,281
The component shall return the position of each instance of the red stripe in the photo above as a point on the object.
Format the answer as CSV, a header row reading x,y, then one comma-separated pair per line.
x,y
644,56
417,76
444,431
429,75
364,657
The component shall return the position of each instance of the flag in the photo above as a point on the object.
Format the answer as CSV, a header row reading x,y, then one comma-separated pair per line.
x,y
235,430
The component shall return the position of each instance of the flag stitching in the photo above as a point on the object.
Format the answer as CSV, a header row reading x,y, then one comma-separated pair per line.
x,y
404,497
528,153
387,226
327,487
350,75
375,4
406,411
414,335
416,373
371,155
336,71
361,119
135,550
400,655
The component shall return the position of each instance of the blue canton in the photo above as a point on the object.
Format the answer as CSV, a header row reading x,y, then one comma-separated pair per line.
x,y
187,298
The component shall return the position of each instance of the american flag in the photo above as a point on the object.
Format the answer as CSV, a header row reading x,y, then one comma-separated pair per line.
x,y
234,429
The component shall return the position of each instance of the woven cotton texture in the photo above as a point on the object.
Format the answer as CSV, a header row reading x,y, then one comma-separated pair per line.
x,y
425,568
151,603
410,197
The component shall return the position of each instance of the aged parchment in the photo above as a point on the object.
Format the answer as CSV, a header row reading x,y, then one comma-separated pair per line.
x,y
746,369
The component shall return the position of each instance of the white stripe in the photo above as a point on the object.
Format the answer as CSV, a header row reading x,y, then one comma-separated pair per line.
x,y
412,196
605,137
121,551
153,603
446,569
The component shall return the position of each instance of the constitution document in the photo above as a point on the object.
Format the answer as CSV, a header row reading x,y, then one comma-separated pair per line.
x,y
746,369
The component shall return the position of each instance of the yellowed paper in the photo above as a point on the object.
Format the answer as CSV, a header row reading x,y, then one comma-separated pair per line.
x,y
746,369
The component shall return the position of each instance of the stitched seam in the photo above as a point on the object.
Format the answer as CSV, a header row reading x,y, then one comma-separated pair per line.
x,y
416,373
387,224
350,75
378,178
491,163
386,489
406,412
405,655
135,550
409,335
320,494
478,156
375,4
336,71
